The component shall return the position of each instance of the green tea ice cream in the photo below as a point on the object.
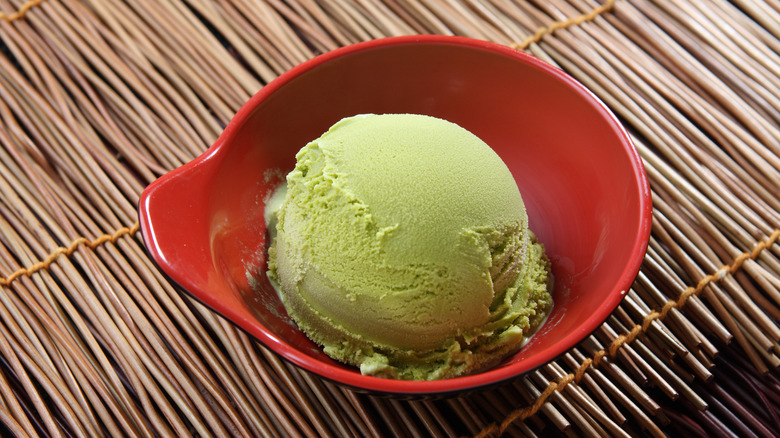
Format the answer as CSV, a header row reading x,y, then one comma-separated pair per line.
x,y
402,247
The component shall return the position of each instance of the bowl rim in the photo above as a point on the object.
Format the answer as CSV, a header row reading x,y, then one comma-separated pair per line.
x,y
488,378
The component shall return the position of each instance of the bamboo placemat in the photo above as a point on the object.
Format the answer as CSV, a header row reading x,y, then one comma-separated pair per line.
x,y
100,97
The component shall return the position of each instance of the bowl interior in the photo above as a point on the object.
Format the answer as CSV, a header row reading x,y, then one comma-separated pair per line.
x,y
581,180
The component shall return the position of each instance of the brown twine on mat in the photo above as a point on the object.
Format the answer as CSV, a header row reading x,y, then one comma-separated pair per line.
x,y
558,25
67,251
518,414
535,38
20,12
524,413
562,379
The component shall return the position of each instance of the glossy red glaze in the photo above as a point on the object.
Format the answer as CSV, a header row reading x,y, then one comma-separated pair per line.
x,y
581,178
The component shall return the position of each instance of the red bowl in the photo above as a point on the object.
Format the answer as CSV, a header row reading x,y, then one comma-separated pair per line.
x,y
580,176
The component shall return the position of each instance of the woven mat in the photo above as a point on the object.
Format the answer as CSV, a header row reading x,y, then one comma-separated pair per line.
x,y
100,97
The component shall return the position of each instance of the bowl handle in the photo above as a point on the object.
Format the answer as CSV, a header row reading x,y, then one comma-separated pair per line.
x,y
174,227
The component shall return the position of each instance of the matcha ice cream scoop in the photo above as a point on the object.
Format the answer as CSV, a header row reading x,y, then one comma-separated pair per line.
x,y
402,247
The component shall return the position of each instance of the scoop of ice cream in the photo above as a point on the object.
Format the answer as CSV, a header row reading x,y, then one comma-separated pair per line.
x,y
403,247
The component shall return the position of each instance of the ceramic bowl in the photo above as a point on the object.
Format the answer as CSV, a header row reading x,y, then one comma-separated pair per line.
x,y
581,178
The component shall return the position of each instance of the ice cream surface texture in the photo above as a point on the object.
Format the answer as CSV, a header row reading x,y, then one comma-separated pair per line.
x,y
402,247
